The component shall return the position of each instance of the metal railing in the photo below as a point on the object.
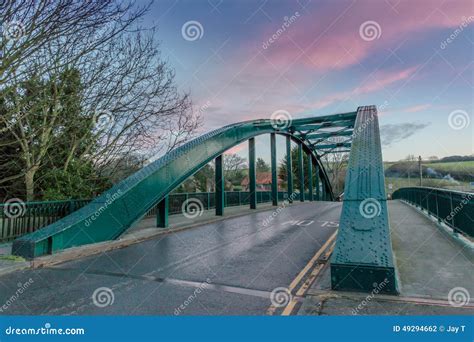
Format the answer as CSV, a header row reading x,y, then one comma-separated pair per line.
x,y
231,199
31,216
20,218
454,208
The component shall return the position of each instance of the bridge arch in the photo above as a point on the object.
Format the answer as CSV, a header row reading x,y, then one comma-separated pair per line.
x,y
117,209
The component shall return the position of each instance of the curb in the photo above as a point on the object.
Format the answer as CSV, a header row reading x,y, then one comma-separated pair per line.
x,y
20,266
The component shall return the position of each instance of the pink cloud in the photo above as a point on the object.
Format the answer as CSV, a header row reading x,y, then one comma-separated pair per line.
x,y
236,149
254,82
330,37
377,82
418,108
410,109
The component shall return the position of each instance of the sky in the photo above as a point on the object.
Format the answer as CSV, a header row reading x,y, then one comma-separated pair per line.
x,y
413,59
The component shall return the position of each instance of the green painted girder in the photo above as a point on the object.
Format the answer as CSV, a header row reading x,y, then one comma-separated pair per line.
x,y
324,118
252,175
328,134
162,214
308,129
334,151
301,172
332,146
289,169
274,170
116,210
219,184
316,183
310,179
363,253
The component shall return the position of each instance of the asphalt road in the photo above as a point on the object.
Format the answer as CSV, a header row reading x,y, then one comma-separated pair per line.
x,y
223,268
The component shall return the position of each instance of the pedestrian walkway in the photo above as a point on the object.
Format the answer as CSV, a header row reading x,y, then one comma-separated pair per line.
x,y
435,274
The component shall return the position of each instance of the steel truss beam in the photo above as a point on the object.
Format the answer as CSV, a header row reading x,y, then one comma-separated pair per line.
x,y
362,258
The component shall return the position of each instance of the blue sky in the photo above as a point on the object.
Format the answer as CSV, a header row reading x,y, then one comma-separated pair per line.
x,y
329,57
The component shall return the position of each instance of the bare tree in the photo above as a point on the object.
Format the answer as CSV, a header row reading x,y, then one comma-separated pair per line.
x,y
234,162
335,164
128,101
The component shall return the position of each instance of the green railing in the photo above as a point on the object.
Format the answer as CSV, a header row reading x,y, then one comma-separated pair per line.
x,y
19,218
207,199
23,218
454,208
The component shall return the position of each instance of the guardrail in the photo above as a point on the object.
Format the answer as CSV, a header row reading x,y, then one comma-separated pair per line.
x,y
26,217
207,199
454,208
19,218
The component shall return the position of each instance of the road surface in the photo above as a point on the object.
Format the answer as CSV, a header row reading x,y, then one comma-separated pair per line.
x,y
228,267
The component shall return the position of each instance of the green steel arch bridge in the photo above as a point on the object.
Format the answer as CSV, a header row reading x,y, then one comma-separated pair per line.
x,y
363,250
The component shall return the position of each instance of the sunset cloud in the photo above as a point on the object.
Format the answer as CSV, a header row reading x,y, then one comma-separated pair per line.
x,y
330,37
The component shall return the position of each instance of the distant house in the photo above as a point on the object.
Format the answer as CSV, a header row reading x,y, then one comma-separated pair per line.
x,y
264,182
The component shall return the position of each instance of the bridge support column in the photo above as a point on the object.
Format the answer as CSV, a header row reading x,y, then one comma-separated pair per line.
x,y
252,175
274,169
362,259
323,191
219,195
310,178
162,213
289,170
301,171
316,181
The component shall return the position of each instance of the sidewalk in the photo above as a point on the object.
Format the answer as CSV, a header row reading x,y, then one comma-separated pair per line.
x,y
431,264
